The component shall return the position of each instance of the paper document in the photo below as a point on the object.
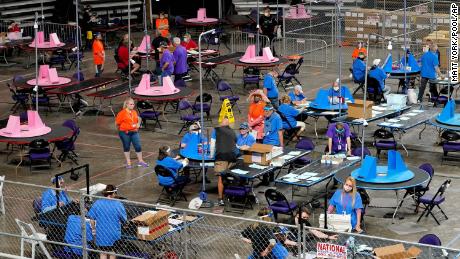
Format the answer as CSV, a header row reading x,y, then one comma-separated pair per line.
x,y
385,123
417,111
314,178
411,114
294,153
239,171
352,158
290,175
329,113
256,166
396,125
291,180
175,221
404,118
287,157
393,120
378,108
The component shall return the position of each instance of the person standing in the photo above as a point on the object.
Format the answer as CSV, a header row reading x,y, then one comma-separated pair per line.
x,y
166,62
273,127
127,122
270,88
98,54
223,145
107,216
180,58
430,66
268,26
257,101
162,24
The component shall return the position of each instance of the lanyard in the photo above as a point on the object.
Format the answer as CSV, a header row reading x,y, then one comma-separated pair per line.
x,y
130,116
344,205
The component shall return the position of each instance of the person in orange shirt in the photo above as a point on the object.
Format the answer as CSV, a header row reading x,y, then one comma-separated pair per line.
x,y
98,54
128,124
257,100
162,24
359,48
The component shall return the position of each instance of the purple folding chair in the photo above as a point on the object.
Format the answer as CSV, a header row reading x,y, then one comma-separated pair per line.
x,y
384,140
79,76
251,76
39,151
418,191
147,112
304,144
358,151
67,146
449,143
207,103
224,90
236,194
186,114
279,204
430,239
429,201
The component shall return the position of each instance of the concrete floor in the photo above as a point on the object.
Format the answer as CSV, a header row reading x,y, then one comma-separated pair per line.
x,y
99,146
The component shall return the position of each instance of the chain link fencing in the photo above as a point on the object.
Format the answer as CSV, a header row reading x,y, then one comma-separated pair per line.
x,y
86,226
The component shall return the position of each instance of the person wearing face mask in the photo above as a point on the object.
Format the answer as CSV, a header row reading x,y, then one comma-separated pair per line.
x,y
336,92
162,24
244,140
348,201
180,60
270,88
166,62
268,25
190,136
188,43
257,101
359,68
339,140
358,49
49,196
172,164
379,74
297,96
429,69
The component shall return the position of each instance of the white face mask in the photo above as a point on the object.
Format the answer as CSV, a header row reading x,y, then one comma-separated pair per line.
x,y
347,188
267,14
162,16
336,88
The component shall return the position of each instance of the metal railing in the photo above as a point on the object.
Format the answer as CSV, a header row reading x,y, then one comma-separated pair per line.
x,y
174,233
239,41
313,51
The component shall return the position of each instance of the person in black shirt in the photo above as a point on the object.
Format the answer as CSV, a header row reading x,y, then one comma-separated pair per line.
x,y
261,238
268,25
223,145
156,43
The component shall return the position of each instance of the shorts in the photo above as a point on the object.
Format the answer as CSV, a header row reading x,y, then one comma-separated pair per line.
x,y
106,248
222,166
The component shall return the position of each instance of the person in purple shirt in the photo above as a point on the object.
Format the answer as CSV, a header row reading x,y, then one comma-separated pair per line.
x,y
339,141
166,61
180,57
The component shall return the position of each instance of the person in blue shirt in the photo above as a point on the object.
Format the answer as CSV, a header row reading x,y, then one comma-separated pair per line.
x,y
73,235
191,139
244,140
273,127
49,198
297,96
348,201
430,66
359,68
334,93
107,216
270,88
172,164
379,74
290,114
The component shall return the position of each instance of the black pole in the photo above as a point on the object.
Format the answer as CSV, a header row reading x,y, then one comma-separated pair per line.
x,y
325,203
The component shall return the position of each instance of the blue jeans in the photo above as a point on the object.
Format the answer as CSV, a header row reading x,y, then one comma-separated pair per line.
x,y
128,138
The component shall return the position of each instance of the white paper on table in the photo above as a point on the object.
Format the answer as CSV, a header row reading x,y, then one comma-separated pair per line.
x,y
314,178
207,164
352,158
385,123
303,177
239,171
378,108
193,52
404,118
256,166
393,120
291,180
410,114
294,153
175,221
290,175
287,157
310,174
417,111
376,112
396,125
330,113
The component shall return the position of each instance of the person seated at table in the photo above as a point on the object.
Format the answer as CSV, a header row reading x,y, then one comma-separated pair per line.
x,y
291,113
14,27
162,24
270,88
358,49
172,164
49,196
193,132
297,96
257,101
359,68
339,140
348,201
336,93
125,56
379,74
73,235
273,127
166,62
188,42
244,140
107,216
180,60
312,234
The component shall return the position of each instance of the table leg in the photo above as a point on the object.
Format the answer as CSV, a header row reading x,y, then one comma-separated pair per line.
x,y
402,144
21,154
234,71
420,133
396,209
316,130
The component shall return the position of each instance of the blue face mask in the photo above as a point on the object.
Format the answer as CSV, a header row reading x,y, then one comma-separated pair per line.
x,y
340,131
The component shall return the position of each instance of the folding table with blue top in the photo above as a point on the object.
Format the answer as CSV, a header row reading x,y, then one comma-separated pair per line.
x,y
403,72
396,175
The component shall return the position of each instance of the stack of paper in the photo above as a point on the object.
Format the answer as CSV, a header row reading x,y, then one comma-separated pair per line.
x,y
294,153
239,171
256,166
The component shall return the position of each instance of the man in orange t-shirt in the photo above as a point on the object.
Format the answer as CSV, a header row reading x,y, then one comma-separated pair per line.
x,y
162,25
98,54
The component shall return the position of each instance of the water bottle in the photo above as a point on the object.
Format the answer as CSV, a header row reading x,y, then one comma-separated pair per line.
x,y
200,148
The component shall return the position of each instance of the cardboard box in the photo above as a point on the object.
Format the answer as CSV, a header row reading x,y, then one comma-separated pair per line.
x,y
397,252
355,110
152,224
260,154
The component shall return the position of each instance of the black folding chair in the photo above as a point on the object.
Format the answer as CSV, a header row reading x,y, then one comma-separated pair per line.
x,y
172,192
291,133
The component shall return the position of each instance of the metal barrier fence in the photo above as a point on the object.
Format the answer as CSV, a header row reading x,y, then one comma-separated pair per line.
x,y
165,232
239,41
313,51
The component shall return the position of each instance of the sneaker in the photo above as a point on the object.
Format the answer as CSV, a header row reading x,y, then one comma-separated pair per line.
x,y
221,202
142,164
129,166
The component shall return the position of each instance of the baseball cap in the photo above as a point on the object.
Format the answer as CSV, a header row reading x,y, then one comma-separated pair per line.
x,y
376,62
194,127
53,179
268,107
244,125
